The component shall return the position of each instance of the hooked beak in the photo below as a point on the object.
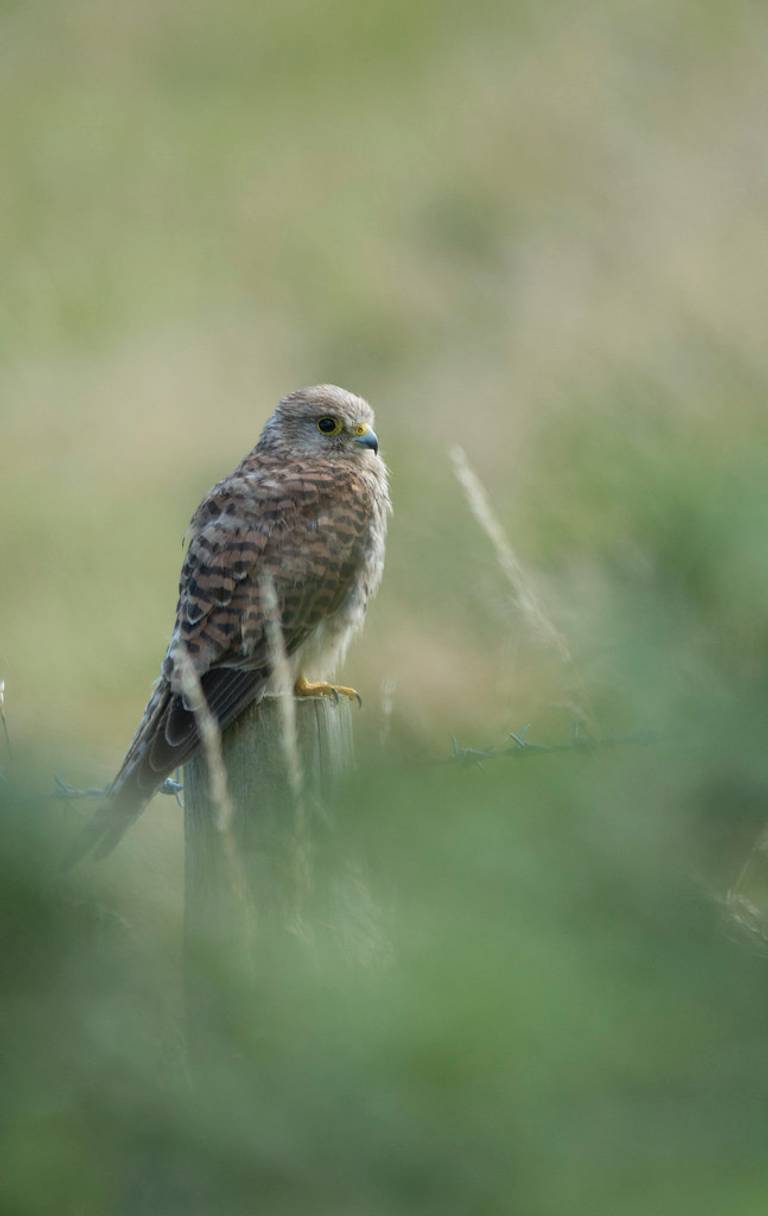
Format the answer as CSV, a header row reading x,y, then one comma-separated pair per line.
x,y
368,440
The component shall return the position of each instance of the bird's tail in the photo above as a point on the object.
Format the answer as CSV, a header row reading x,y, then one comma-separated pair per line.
x,y
167,736
105,829
132,788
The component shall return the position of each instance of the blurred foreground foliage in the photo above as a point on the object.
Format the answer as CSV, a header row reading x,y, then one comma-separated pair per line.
x,y
557,1015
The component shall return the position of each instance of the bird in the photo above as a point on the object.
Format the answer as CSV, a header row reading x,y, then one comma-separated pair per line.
x,y
307,508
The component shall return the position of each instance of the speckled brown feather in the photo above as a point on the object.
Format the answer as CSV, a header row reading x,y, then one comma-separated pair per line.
x,y
315,520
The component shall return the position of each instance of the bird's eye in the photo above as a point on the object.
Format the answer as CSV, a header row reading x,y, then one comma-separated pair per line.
x,y
329,426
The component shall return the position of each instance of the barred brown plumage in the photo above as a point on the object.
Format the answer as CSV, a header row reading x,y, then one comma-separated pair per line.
x,y
307,508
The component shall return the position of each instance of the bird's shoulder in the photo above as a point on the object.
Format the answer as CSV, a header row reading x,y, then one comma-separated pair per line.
x,y
262,493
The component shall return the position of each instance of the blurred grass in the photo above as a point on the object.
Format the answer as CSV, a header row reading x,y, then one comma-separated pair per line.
x,y
563,1025
536,231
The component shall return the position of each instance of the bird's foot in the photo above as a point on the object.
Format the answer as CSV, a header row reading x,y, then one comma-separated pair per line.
x,y
309,688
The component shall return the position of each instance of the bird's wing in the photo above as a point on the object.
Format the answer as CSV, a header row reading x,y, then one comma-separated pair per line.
x,y
214,599
306,531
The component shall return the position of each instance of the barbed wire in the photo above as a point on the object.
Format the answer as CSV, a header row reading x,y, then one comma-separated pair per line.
x,y
62,789
520,747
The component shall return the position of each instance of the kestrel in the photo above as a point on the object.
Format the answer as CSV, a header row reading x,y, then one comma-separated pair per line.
x,y
307,506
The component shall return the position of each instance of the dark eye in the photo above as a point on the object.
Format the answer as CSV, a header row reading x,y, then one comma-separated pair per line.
x,y
329,426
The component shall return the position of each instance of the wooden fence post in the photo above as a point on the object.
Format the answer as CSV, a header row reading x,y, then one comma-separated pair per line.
x,y
249,886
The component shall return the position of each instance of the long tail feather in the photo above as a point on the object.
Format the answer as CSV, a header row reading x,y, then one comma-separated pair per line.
x,y
166,738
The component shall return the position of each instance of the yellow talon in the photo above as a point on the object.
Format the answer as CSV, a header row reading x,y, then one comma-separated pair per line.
x,y
308,688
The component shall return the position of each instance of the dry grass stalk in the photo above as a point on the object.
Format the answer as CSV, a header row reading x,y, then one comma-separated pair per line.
x,y
283,686
5,726
746,920
4,720
388,690
210,737
534,616
519,580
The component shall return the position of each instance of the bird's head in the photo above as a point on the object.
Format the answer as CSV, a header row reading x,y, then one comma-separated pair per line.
x,y
324,420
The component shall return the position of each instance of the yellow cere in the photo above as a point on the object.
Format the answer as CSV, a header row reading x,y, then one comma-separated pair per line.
x,y
361,430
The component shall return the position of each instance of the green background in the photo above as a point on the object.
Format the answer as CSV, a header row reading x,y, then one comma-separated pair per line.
x,y
537,231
